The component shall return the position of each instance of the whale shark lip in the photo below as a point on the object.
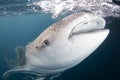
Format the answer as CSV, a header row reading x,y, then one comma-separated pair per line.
x,y
88,31
84,27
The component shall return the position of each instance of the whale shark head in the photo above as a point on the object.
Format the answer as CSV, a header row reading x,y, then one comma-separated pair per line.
x,y
66,43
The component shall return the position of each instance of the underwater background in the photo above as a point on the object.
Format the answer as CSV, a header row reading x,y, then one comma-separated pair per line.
x,y
21,23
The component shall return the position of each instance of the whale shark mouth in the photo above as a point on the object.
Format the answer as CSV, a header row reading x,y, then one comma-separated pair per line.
x,y
87,27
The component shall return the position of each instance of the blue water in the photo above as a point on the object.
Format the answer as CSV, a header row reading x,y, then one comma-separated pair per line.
x,y
19,30
103,64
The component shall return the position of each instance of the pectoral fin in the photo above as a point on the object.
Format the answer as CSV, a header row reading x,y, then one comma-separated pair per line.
x,y
21,59
20,52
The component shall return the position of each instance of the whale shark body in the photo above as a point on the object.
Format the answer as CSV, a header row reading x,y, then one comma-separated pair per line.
x,y
64,44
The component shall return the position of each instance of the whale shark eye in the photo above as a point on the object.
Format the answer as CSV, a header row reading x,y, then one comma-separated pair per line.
x,y
46,42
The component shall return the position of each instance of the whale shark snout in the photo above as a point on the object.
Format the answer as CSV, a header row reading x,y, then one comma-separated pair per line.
x,y
64,44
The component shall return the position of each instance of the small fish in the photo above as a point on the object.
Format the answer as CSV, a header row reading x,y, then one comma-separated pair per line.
x,y
63,45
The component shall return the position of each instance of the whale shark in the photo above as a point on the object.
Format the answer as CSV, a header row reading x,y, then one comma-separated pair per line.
x,y
62,45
